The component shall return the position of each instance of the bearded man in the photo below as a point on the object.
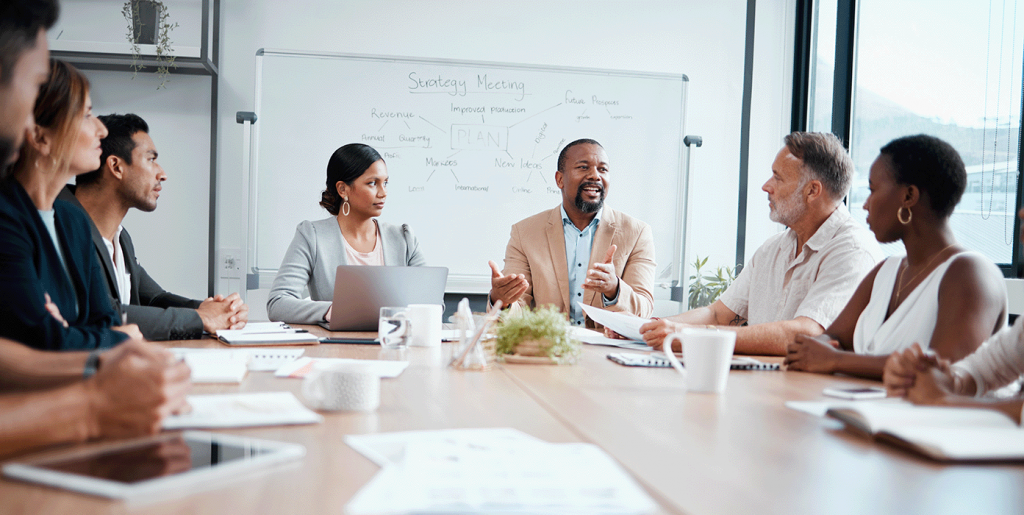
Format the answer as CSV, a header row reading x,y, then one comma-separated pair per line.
x,y
579,252
799,280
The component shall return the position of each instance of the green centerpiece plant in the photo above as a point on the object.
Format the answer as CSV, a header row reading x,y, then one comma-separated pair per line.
x,y
542,332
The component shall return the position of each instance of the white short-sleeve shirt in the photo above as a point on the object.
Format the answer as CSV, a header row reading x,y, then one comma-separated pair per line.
x,y
778,283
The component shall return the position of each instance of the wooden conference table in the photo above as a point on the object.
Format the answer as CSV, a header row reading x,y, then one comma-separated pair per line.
x,y
739,452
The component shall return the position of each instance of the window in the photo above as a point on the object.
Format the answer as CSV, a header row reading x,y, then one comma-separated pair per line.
x,y
945,68
822,66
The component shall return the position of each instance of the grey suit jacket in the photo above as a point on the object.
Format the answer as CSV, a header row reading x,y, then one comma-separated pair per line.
x,y
160,315
312,261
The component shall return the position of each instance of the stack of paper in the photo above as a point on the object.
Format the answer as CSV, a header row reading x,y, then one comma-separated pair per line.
x,y
243,410
491,471
591,337
626,325
263,333
230,365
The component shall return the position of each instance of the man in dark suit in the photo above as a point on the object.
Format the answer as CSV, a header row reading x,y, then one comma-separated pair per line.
x,y
130,177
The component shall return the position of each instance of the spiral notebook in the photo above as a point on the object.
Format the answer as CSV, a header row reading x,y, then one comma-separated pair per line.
x,y
655,360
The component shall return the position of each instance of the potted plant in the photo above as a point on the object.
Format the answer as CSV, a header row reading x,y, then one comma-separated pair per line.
x,y
149,24
706,288
541,335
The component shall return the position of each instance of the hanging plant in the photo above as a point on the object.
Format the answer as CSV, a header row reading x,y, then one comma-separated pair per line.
x,y
149,24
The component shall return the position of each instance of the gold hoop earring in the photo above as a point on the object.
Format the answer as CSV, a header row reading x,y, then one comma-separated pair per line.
x,y
345,207
899,215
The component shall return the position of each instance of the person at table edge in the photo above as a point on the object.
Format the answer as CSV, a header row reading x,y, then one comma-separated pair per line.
x,y
580,251
799,280
126,391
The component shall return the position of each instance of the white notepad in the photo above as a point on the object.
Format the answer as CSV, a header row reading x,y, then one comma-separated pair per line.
x,y
243,410
254,359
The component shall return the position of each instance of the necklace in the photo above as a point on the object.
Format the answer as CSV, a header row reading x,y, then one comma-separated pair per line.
x,y
899,281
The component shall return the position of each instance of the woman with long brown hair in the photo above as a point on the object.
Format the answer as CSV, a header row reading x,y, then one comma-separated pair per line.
x,y
52,292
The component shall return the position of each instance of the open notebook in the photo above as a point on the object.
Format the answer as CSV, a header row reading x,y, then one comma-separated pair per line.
x,y
944,434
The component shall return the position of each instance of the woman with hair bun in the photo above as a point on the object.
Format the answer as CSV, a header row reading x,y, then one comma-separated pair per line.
x,y
357,180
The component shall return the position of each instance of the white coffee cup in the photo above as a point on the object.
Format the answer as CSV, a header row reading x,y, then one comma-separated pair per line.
x,y
708,354
426,324
342,387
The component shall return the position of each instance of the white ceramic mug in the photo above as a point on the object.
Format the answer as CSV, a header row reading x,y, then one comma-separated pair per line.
x,y
342,387
708,354
426,324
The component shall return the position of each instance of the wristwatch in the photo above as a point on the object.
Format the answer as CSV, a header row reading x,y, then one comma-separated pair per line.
x,y
92,364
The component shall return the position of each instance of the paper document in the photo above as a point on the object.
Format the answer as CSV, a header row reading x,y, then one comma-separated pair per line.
x,y
258,359
626,325
388,448
495,471
243,410
281,338
261,327
300,367
592,337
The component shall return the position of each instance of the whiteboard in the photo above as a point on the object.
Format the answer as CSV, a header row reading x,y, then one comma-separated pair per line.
x,y
471,148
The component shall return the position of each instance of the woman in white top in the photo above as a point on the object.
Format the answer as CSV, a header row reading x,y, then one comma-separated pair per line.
x,y
937,295
925,378
357,180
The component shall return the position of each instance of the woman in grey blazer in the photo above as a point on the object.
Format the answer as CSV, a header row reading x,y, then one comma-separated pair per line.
x,y
356,189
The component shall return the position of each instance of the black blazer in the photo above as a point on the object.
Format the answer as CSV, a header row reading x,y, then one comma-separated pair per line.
x,y
30,267
160,315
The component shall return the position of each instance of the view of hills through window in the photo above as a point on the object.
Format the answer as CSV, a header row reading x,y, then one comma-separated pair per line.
x,y
949,69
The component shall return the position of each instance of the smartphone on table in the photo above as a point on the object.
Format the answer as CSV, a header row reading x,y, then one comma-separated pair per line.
x,y
856,394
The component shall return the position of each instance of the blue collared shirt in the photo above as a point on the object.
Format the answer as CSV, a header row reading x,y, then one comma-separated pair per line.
x,y
578,247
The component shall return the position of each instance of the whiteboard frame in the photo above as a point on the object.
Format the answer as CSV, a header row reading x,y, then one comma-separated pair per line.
x,y
260,278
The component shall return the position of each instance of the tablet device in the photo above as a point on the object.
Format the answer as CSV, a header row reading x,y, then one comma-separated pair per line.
x,y
360,292
185,462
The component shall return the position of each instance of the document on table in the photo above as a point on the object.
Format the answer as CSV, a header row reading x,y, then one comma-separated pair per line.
x,y
388,448
494,471
254,359
626,325
300,367
243,410
591,337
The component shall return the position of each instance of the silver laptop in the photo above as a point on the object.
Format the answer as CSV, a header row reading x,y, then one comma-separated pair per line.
x,y
360,292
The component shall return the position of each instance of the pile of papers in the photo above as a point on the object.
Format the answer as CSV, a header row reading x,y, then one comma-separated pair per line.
x,y
491,471
231,365
627,326
264,333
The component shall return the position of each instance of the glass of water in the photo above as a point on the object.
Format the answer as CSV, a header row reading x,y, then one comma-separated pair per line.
x,y
394,329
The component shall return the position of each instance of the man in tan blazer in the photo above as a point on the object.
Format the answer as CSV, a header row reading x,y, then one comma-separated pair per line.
x,y
547,252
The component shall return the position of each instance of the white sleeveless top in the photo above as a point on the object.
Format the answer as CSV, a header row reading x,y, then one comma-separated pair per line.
x,y
912,322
